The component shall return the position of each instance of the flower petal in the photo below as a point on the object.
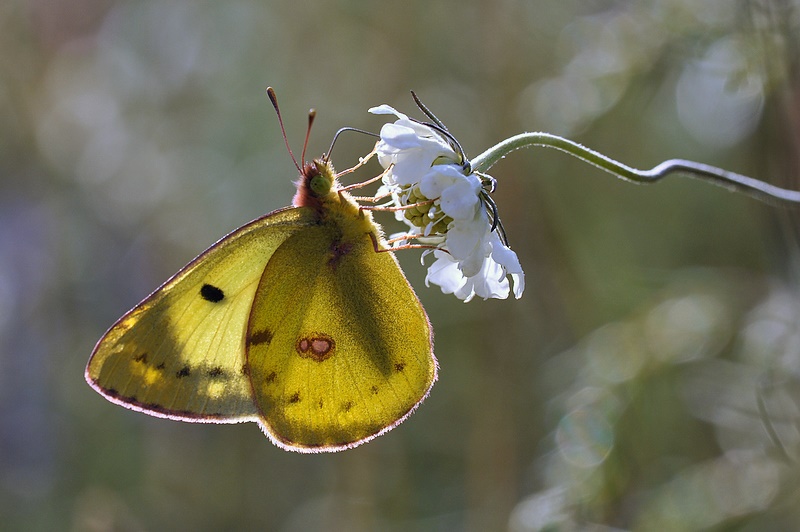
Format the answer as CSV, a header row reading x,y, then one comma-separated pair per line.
x,y
444,272
505,257
385,109
460,200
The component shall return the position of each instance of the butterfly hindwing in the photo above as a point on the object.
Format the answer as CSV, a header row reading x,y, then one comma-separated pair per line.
x,y
339,346
180,352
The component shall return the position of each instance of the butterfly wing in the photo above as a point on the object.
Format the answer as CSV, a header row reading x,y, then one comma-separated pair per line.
x,y
339,347
180,353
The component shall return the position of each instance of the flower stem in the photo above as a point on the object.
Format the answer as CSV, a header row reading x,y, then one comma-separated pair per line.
x,y
710,174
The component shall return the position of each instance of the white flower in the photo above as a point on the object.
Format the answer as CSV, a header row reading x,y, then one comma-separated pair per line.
x,y
441,200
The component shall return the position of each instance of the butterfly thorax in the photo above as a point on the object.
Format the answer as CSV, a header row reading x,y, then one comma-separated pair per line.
x,y
318,189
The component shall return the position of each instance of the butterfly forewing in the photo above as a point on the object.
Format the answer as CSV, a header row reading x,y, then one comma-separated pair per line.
x,y
180,353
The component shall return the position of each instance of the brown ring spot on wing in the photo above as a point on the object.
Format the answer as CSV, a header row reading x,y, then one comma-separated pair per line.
x,y
316,346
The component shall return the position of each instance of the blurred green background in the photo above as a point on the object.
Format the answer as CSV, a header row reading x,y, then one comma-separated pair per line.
x,y
649,379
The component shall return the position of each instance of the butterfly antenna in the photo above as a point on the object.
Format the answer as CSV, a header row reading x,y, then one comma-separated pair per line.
x,y
336,136
274,99
312,114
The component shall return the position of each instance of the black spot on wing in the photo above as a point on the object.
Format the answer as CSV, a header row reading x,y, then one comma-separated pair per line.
x,y
185,371
216,372
295,398
141,357
260,337
211,293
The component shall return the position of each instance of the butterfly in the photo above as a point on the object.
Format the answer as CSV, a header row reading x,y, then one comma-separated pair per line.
x,y
300,320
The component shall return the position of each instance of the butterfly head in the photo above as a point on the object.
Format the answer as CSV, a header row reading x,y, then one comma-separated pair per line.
x,y
316,184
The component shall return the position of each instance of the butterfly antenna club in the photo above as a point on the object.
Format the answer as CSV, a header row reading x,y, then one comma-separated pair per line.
x,y
312,114
274,99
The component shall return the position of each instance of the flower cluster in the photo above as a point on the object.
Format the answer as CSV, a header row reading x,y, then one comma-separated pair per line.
x,y
441,199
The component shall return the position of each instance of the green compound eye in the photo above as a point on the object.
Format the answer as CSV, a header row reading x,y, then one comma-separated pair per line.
x,y
320,186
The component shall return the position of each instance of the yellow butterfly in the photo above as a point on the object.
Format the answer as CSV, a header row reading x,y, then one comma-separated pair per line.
x,y
295,321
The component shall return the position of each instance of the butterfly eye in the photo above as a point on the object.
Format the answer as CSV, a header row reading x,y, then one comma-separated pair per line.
x,y
319,185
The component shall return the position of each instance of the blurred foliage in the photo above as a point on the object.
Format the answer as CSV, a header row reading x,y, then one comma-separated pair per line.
x,y
648,380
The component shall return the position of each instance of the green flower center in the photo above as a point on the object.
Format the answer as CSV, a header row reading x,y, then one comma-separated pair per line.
x,y
424,211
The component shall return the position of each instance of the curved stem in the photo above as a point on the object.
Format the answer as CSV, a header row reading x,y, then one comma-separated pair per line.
x,y
710,174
